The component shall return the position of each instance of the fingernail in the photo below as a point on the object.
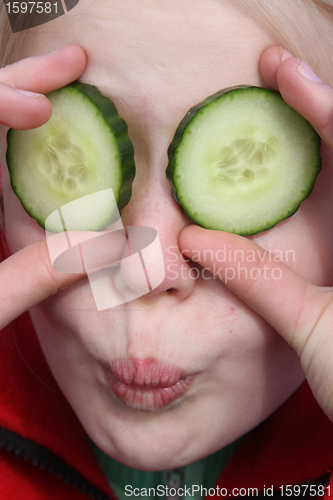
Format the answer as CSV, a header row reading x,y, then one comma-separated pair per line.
x,y
284,54
28,93
58,50
306,71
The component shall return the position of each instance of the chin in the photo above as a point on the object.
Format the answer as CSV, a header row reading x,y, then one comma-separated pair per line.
x,y
149,441
151,455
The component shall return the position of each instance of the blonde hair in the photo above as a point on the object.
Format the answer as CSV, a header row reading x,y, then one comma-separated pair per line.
x,y
304,27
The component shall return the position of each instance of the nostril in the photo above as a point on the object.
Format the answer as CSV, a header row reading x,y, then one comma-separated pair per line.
x,y
172,291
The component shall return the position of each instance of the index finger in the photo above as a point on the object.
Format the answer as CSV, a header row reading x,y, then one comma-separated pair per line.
x,y
28,277
279,295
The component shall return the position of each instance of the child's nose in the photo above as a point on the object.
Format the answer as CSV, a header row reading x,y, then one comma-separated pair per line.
x,y
152,206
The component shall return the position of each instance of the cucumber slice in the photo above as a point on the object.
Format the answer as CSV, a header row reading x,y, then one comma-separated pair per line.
x,y
243,160
84,148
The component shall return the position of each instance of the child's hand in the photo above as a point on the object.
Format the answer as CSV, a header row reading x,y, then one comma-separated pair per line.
x,y
300,311
27,277
36,76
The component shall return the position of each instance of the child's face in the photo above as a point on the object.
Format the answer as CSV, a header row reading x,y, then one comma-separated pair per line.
x,y
156,59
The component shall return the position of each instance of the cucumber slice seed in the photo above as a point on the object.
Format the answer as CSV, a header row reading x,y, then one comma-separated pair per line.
x,y
83,149
243,160
65,164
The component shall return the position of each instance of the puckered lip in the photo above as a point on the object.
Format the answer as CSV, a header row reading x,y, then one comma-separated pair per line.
x,y
146,384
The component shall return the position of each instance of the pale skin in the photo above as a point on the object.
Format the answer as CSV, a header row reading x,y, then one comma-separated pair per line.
x,y
234,340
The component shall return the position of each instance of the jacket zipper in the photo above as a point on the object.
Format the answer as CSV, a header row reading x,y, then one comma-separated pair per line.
x,y
38,456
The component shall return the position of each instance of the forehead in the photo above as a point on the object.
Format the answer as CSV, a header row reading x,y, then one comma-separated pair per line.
x,y
157,54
